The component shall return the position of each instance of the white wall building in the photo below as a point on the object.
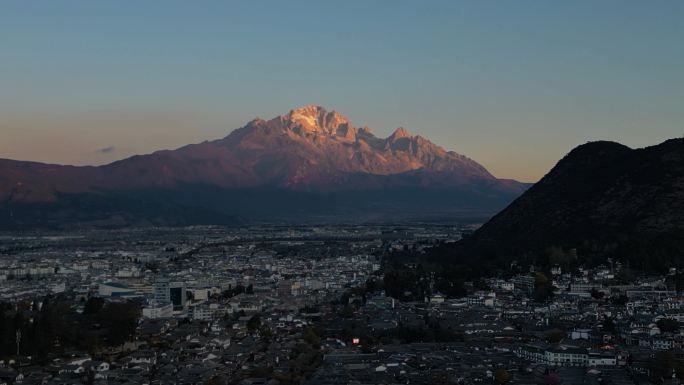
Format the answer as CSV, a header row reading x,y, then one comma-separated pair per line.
x,y
158,310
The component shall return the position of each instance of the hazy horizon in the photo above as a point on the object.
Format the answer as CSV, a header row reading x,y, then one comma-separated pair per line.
x,y
514,86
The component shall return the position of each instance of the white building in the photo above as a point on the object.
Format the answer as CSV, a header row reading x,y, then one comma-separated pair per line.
x,y
114,289
566,356
601,359
158,310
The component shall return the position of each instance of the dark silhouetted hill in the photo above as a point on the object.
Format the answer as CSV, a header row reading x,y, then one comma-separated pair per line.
x,y
603,199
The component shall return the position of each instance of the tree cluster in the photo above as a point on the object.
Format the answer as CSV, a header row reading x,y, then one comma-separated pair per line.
x,y
55,324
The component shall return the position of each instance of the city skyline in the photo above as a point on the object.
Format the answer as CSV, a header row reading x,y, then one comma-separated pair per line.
x,y
333,193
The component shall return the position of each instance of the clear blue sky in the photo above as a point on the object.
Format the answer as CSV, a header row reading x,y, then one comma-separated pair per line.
x,y
513,84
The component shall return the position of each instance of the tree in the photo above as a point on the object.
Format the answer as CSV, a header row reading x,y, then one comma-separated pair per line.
x,y
254,323
554,336
481,284
152,266
451,288
501,376
120,320
664,365
668,325
440,379
93,306
88,378
311,338
371,285
551,379
620,300
608,325
543,288
215,380
347,312
625,276
308,309
596,294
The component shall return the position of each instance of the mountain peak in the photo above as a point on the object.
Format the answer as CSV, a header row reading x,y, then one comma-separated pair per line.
x,y
310,109
399,133
314,119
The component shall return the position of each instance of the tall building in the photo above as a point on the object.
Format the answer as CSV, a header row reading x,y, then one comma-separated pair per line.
x,y
524,283
173,292
161,290
178,295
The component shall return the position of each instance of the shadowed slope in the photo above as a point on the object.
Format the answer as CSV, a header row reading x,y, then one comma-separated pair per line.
x,y
603,199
